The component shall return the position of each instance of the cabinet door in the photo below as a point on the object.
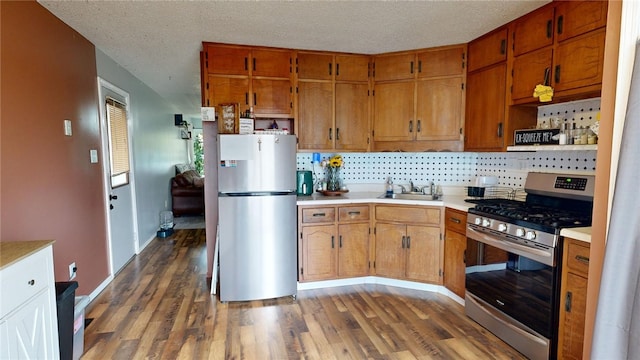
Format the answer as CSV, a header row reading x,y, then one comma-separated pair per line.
x,y
485,109
393,114
227,60
352,116
271,63
530,70
353,253
579,17
390,250
455,245
439,109
441,62
319,253
28,333
533,31
352,68
488,50
572,307
315,115
315,66
394,67
579,62
271,97
423,253
224,90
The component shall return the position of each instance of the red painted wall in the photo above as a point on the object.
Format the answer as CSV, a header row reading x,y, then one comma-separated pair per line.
x,y
49,188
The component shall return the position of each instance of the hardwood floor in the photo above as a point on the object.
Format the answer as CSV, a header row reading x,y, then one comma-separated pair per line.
x,y
159,306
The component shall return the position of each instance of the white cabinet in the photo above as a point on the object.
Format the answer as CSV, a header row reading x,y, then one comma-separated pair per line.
x,y
28,320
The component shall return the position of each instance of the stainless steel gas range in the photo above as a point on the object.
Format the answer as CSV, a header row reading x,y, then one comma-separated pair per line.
x,y
513,259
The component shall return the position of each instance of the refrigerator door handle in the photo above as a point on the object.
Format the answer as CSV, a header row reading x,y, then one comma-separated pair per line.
x,y
257,193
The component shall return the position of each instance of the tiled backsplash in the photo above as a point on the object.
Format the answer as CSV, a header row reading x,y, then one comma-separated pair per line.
x,y
582,112
454,169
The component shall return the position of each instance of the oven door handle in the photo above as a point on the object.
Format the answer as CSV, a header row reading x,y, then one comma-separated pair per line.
x,y
532,253
500,317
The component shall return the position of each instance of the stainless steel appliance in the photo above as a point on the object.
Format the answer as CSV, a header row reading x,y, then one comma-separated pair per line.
x,y
513,264
257,206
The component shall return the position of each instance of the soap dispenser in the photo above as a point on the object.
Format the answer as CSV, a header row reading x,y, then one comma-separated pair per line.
x,y
389,187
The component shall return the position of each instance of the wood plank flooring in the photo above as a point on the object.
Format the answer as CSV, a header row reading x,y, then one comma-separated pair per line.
x,y
159,307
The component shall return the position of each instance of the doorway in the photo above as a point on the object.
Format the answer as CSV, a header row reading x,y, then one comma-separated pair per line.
x,y
119,186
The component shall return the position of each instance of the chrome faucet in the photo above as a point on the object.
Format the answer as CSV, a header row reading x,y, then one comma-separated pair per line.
x,y
411,187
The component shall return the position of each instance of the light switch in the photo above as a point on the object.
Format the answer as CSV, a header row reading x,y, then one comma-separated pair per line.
x,y
67,127
93,154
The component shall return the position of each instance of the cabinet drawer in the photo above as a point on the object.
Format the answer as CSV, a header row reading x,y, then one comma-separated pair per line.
x,y
417,214
578,257
24,279
318,215
455,220
352,213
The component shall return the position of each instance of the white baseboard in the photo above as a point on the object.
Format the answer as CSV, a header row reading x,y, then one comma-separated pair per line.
x,y
94,294
382,281
145,244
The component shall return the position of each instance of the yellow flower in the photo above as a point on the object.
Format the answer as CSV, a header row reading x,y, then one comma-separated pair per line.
x,y
335,161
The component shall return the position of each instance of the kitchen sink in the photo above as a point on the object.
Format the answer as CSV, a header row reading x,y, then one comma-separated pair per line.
x,y
410,196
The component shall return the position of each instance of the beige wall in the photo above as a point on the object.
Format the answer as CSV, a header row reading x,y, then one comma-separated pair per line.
x,y
49,188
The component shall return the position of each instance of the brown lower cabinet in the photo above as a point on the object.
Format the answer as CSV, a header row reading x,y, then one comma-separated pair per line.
x,y
455,245
573,298
408,242
333,242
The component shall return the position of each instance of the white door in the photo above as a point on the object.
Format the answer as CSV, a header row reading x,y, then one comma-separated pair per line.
x,y
119,187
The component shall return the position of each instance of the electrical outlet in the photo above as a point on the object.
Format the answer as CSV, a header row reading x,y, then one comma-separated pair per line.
x,y
72,270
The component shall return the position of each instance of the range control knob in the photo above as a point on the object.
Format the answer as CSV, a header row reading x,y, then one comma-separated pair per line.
x,y
502,227
477,221
520,232
530,235
486,222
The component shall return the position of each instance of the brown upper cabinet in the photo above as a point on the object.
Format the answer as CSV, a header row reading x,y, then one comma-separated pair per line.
x,y
333,101
390,67
485,119
557,21
561,45
533,31
252,77
419,99
488,50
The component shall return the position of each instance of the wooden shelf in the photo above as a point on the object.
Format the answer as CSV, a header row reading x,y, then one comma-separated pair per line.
x,y
551,147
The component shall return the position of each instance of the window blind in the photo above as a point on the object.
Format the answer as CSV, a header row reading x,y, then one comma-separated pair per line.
x,y
118,136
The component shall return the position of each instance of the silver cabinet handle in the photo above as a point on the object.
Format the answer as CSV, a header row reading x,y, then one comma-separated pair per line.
x,y
582,259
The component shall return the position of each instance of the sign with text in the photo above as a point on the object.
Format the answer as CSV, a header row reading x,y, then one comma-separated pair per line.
x,y
536,137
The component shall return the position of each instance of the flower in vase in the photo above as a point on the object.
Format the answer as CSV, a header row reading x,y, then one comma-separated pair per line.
x,y
335,161
333,172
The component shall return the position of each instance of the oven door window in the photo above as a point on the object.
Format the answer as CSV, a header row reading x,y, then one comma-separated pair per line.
x,y
516,285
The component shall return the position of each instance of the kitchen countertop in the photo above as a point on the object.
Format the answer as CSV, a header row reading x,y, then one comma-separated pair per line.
x,y
453,201
12,251
582,234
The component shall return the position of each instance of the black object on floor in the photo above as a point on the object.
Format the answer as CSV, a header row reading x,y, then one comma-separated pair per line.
x,y
65,303
87,321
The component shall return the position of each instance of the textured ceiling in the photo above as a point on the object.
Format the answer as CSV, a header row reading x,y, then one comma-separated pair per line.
x,y
159,41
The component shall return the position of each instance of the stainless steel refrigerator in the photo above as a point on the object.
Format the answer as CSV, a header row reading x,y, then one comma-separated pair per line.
x,y
257,216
